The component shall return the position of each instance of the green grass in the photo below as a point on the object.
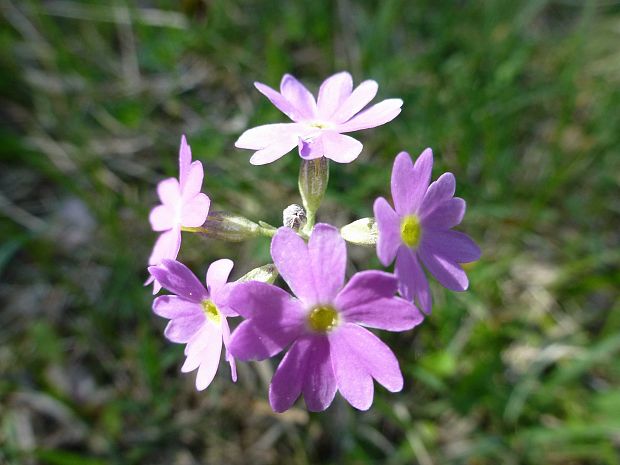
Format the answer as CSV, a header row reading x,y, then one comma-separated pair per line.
x,y
518,99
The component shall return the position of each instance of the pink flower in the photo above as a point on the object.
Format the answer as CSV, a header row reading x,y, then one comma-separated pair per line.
x,y
182,204
319,125
323,325
197,315
419,229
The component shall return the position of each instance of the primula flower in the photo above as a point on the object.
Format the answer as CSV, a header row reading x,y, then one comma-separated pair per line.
x,y
318,125
182,204
420,229
197,315
330,350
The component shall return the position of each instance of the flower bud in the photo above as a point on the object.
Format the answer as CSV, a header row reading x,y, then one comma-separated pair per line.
x,y
230,227
313,178
360,232
294,217
265,274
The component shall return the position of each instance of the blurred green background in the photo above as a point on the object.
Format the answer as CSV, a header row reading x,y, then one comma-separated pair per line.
x,y
519,99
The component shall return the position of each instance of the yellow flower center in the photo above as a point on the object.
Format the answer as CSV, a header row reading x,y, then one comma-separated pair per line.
x,y
322,319
211,311
410,230
320,125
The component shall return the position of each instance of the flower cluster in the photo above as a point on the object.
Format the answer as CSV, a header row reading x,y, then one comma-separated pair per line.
x,y
321,324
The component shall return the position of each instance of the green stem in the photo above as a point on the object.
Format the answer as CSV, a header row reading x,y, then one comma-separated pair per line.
x,y
267,232
310,220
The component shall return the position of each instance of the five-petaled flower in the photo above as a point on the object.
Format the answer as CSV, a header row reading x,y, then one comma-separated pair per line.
x,y
318,125
182,204
420,229
197,315
330,350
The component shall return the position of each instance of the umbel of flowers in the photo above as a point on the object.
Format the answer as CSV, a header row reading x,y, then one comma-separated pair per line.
x,y
321,323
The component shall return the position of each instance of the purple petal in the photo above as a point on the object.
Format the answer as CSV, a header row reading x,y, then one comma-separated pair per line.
x,y
388,226
340,148
185,159
156,285
275,319
445,216
365,286
368,299
410,181
229,357
280,102
354,380
263,136
162,218
172,306
217,275
210,359
311,147
447,272
169,191
182,329
412,282
438,193
376,357
198,344
178,278
319,385
261,301
296,93
167,245
258,341
291,257
328,258
392,314
333,93
195,211
453,245
376,115
275,151
192,184
358,99
221,299
287,381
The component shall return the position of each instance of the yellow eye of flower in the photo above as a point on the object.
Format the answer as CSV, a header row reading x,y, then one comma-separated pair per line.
x,y
411,230
323,318
319,125
211,311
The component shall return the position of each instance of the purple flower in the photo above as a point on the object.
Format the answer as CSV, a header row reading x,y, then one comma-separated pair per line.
x,y
197,315
182,204
330,349
420,229
319,125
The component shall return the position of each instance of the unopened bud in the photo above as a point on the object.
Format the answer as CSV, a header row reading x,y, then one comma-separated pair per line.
x,y
230,227
265,274
313,178
360,232
294,217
